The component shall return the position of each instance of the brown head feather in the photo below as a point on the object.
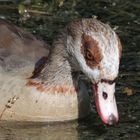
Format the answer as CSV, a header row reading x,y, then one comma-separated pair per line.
x,y
91,51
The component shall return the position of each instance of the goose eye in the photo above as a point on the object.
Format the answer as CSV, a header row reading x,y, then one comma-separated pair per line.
x,y
89,55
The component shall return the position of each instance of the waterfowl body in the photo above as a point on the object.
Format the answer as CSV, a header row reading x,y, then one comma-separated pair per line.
x,y
55,92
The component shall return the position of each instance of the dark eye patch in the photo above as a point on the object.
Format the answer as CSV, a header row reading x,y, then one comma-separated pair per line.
x,y
91,51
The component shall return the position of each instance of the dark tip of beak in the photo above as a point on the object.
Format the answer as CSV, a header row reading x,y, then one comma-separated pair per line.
x,y
112,120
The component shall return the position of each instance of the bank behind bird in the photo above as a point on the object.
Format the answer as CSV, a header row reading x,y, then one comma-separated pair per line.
x,y
55,91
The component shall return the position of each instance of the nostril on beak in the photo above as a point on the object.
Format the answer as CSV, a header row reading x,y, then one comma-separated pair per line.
x,y
112,120
105,95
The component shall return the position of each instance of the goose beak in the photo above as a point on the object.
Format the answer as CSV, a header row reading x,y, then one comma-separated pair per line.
x,y
105,102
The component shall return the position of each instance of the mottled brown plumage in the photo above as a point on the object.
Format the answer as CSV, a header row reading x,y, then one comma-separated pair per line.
x,y
19,48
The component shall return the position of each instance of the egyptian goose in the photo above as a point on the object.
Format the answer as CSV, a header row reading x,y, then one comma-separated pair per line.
x,y
55,91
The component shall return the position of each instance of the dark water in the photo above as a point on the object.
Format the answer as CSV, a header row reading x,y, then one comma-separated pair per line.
x,y
123,15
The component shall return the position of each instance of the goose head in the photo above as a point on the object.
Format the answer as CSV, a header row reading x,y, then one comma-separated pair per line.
x,y
95,49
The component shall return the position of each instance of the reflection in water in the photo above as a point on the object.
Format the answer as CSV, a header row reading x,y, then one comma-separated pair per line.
x,y
22,131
